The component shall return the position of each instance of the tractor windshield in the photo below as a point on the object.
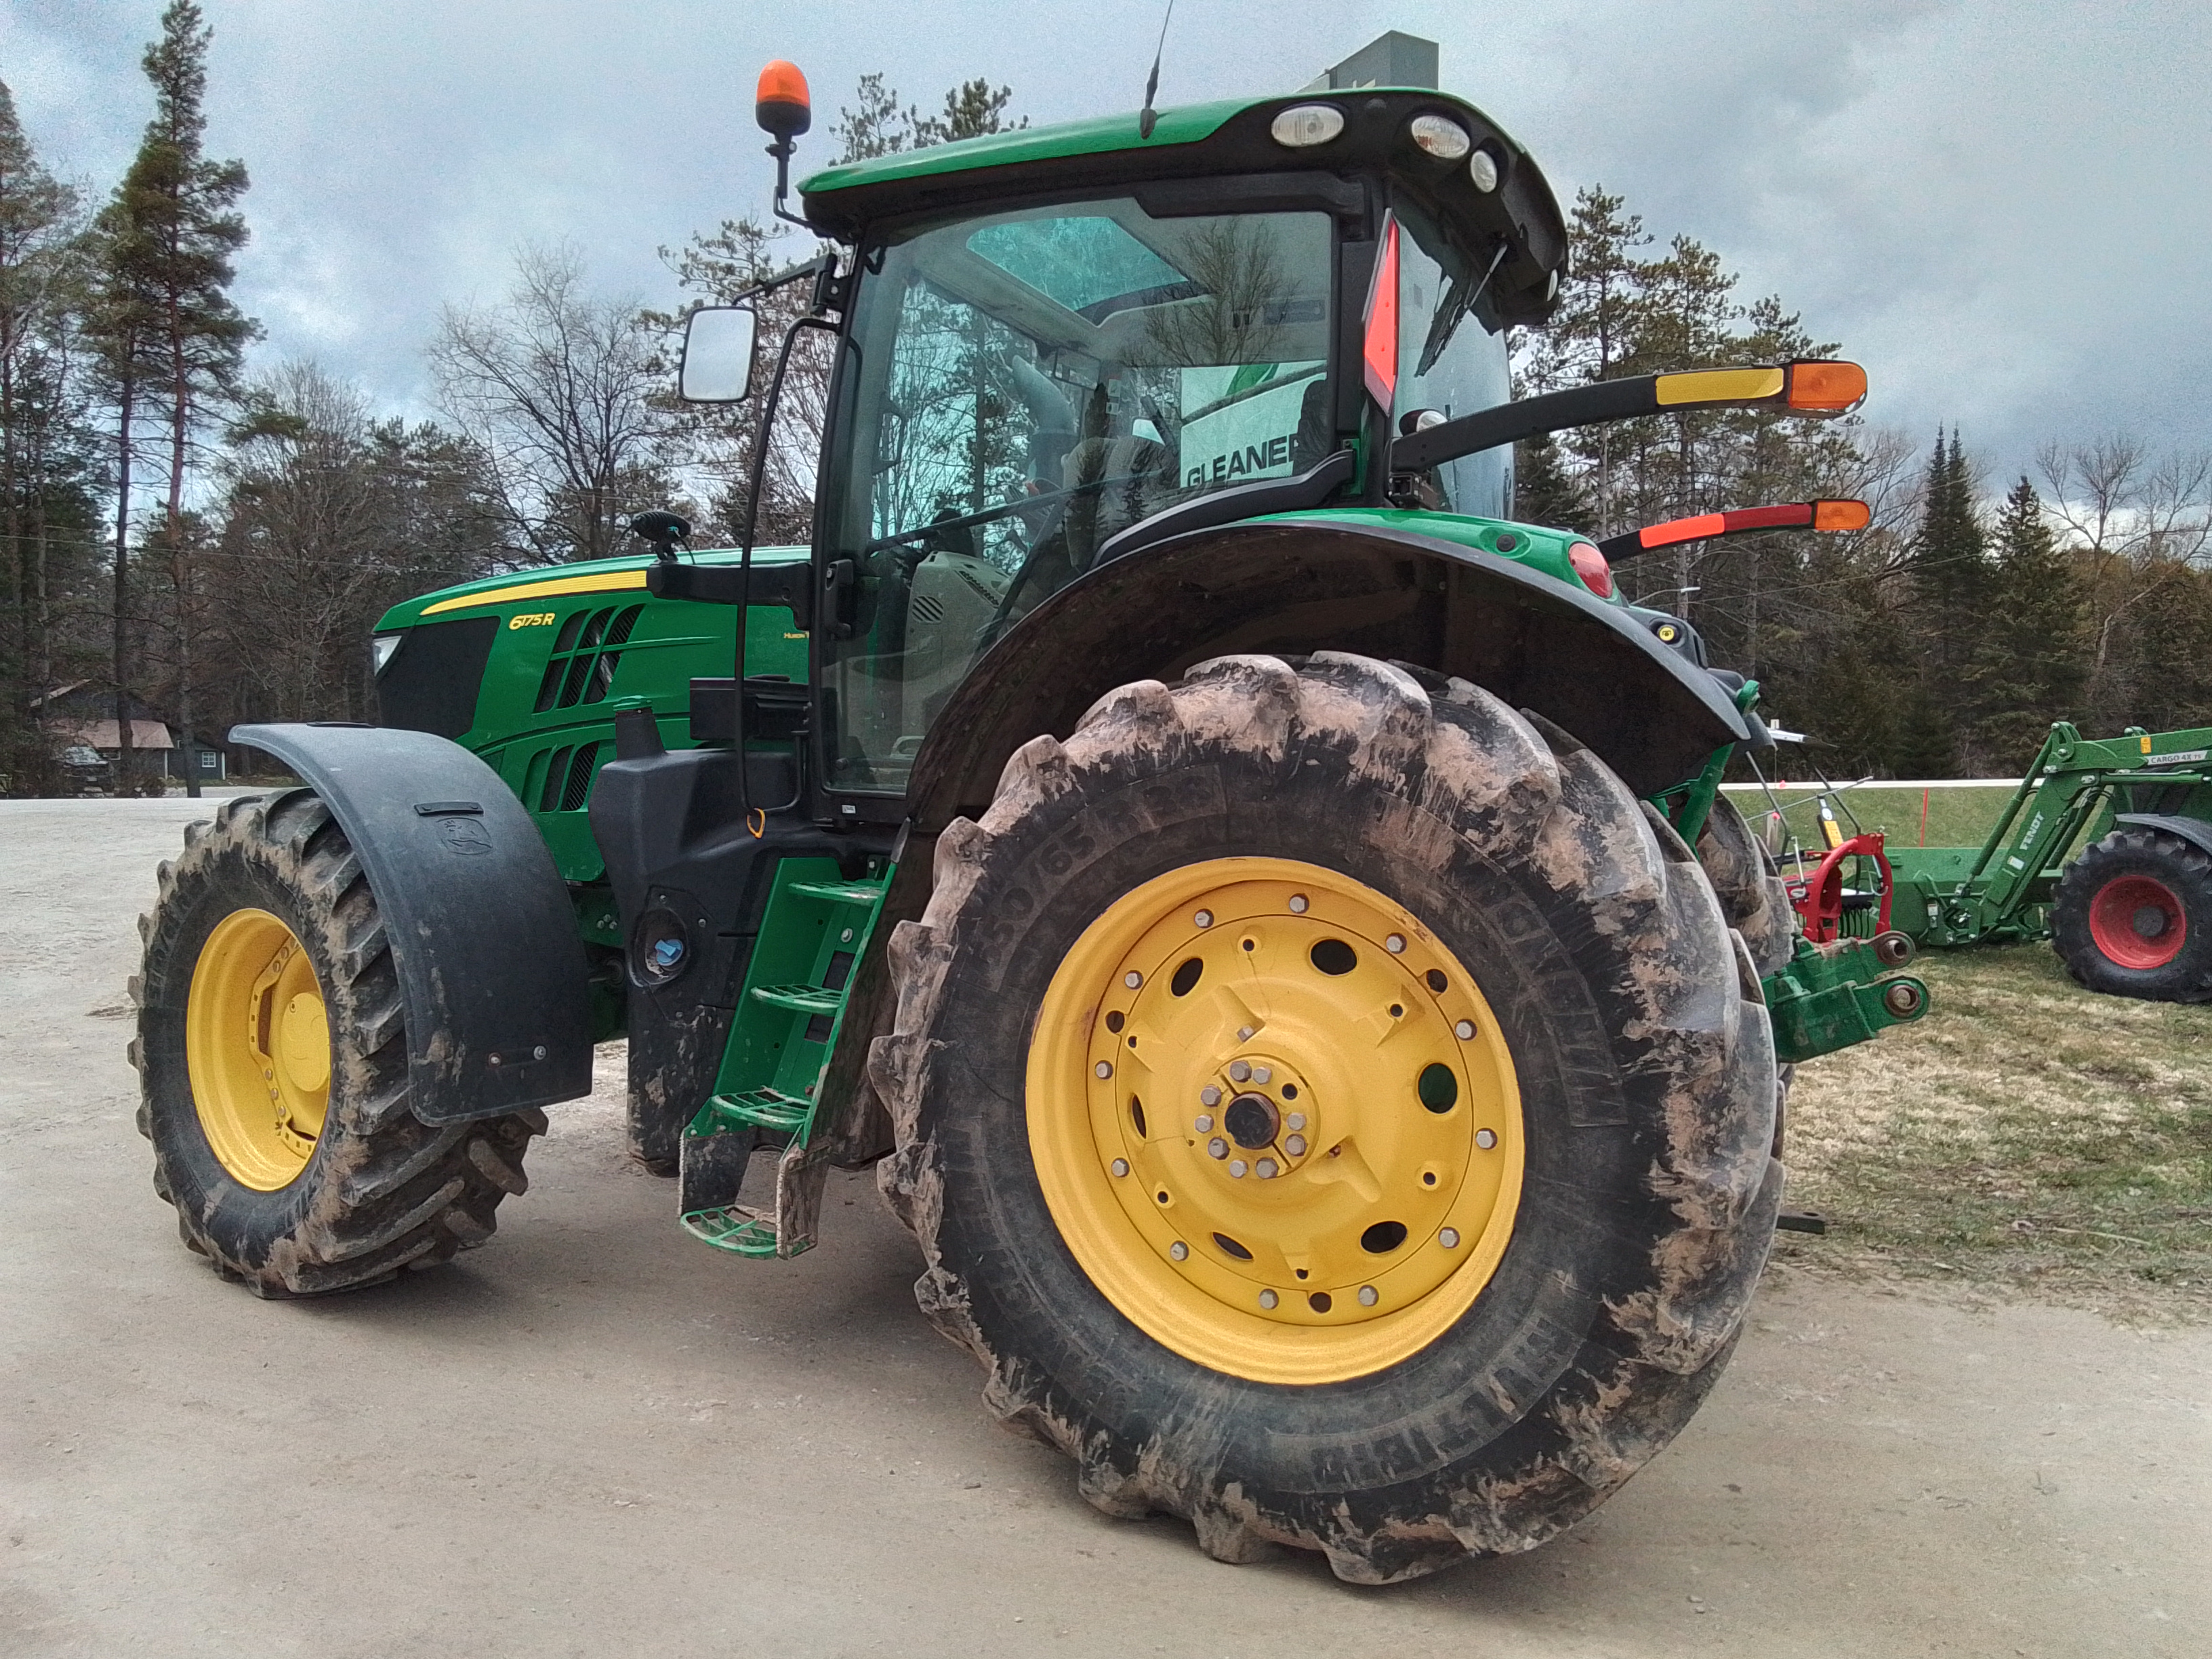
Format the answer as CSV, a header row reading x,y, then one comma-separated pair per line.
x,y
1022,385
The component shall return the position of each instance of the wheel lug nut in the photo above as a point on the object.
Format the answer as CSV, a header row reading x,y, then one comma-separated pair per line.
x,y
1216,1147
1395,944
1178,1249
1486,1139
1203,1124
1266,1299
1368,1299
1298,904
1237,1167
1449,1238
1244,1033
1120,1166
1464,1031
1203,918
1133,979
1296,1146
1209,1096
1104,1068
1296,1120
1239,1071
1264,1169
1263,1074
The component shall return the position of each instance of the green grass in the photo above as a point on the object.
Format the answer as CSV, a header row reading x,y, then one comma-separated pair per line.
x,y
1955,817
2025,1131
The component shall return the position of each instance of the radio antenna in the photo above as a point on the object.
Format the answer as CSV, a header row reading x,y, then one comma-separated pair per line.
x,y
1147,118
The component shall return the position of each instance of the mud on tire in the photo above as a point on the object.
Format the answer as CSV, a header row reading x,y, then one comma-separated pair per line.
x,y
1748,886
380,1190
1645,1067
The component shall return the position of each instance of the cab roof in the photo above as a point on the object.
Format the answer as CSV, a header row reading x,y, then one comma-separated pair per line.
x,y
1231,143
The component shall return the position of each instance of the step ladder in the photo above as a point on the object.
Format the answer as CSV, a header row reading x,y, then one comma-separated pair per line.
x,y
813,938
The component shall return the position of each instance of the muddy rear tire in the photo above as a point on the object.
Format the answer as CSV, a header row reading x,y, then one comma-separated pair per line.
x,y
272,1059
1748,886
1628,1017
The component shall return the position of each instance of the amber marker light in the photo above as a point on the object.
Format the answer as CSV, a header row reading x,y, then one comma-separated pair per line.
x,y
1824,388
1841,515
780,103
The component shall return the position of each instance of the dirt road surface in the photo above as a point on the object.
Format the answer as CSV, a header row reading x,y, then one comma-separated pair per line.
x,y
595,1437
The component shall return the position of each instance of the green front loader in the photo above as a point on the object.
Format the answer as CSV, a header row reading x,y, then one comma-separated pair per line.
x,y
1266,917
2104,848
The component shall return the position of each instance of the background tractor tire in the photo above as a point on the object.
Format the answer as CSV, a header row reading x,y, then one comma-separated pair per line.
x,y
1748,886
2133,917
265,937
1644,1203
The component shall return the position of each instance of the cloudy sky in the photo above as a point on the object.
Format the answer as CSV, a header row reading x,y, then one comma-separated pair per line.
x,y
2003,207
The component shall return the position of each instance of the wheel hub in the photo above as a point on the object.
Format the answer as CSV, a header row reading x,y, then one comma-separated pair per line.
x,y
1252,1120
2139,922
1295,1139
257,1048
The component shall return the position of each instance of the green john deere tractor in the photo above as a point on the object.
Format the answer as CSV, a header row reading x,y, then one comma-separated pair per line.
x,y
1266,917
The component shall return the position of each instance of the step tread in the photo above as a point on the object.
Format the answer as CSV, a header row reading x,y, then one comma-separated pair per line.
x,y
737,1228
766,1108
804,998
840,892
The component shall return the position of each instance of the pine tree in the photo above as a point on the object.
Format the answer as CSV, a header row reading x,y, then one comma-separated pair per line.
x,y
1950,560
972,109
40,272
1594,332
169,337
1951,582
1544,492
2031,647
174,226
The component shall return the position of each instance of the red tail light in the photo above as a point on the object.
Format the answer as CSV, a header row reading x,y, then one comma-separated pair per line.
x,y
1590,564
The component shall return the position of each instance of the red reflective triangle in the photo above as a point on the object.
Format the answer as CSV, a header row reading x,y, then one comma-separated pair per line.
x,y
1380,358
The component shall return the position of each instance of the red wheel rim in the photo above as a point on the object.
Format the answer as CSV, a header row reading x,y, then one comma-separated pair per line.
x,y
2138,922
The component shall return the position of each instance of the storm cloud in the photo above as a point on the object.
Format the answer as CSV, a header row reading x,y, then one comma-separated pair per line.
x,y
2002,209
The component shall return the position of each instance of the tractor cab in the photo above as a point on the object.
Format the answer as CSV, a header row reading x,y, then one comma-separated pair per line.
x,y
1057,344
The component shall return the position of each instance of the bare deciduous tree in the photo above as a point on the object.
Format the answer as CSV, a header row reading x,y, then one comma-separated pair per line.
x,y
555,388
2138,522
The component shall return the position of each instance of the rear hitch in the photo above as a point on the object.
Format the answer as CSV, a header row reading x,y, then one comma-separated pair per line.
x,y
1830,996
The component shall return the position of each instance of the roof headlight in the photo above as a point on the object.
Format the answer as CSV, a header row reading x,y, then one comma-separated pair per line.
x,y
1303,125
384,644
1445,139
1482,167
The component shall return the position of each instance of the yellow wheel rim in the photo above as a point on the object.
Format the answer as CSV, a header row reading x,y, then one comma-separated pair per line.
x,y
1296,1161
257,1050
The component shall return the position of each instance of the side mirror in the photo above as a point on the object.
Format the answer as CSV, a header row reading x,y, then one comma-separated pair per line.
x,y
718,355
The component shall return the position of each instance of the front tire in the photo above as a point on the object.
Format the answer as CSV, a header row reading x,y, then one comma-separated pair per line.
x,y
2133,917
1559,955
273,1068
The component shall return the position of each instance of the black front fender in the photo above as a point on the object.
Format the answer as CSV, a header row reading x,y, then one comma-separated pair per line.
x,y
484,936
1290,588
2196,831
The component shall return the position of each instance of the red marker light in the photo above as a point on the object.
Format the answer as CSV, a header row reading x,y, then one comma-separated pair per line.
x,y
1590,564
